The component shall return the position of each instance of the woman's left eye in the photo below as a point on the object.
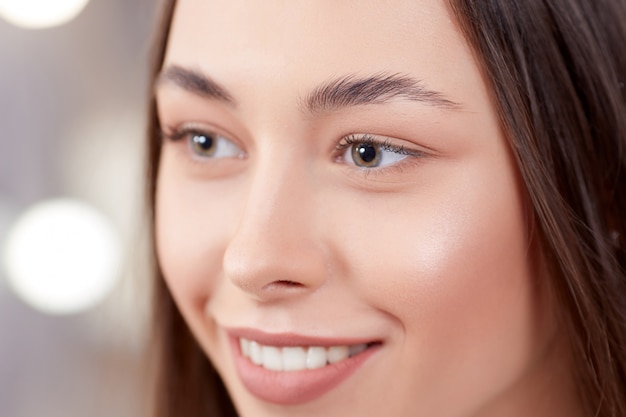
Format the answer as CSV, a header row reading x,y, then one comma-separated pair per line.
x,y
368,152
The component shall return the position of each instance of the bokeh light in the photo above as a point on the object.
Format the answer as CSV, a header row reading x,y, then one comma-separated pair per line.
x,y
39,14
62,256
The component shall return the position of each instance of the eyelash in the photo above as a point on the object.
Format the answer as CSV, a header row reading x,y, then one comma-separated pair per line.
x,y
385,144
176,134
367,139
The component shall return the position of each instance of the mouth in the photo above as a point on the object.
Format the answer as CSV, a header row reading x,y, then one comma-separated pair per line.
x,y
298,358
290,369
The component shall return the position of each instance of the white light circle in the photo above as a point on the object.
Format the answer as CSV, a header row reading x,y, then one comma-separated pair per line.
x,y
62,256
39,14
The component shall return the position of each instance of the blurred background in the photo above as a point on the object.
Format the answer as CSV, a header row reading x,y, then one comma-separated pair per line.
x,y
74,285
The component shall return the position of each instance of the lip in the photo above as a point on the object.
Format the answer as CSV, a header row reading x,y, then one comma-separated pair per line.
x,y
295,387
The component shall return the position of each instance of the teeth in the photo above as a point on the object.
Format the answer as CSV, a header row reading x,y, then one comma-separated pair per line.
x,y
245,346
255,353
356,349
296,358
316,357
272,358
338,353
293,358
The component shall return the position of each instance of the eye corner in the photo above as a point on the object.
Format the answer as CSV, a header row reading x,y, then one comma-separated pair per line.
x,y
167,132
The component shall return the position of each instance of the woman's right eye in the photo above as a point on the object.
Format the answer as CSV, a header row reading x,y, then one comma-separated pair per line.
x,y
207,144
212,145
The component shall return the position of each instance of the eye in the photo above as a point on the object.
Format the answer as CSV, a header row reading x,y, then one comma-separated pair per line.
x,y
368,152
213,145
207,144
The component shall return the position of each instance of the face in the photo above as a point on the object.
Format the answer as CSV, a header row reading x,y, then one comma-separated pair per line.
x,y
338,215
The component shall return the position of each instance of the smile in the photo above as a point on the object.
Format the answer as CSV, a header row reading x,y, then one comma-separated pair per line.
x,y
296,358
291,369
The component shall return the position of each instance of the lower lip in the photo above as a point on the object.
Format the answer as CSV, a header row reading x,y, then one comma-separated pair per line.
x,y
294,387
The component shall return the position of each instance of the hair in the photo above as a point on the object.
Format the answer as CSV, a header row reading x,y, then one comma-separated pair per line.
x,y
556,71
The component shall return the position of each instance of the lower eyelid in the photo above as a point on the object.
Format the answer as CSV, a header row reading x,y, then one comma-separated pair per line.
x,y
390,171
395,174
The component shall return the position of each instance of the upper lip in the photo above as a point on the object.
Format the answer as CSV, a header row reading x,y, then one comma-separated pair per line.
x,y
293,339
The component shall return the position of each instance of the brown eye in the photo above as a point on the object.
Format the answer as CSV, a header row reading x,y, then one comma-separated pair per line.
x,y
203,144
366,151
366,155
211,145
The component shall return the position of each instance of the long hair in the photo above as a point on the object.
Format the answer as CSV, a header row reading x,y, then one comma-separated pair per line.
x,y
185,382
556,70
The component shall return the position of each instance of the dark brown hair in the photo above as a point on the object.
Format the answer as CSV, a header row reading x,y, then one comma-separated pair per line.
x,y
557,70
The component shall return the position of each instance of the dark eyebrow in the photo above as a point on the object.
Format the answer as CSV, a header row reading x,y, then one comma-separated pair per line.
x,y
376,89
194,82
333,95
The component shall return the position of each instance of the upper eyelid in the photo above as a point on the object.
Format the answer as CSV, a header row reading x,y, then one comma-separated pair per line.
x,y
386,142
181,130
182,136
187,128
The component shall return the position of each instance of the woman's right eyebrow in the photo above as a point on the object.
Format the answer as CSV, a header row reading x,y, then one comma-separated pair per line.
x,y
194,82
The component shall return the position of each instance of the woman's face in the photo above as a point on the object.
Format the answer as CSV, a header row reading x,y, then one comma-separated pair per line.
x,y
335,198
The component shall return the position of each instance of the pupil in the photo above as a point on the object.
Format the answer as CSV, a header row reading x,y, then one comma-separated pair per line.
x,y
367,153
203,142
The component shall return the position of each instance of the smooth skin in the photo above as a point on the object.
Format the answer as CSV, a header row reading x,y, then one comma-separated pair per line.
x,y
281,229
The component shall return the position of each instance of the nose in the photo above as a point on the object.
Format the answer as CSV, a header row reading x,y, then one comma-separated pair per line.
x,y
276,251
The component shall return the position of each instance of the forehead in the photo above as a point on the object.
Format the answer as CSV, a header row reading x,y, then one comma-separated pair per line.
x,y
302,43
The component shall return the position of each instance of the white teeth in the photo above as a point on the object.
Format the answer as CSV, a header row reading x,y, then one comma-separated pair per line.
x,y
255,353
316,357
296,358
337,353
272,358
245,346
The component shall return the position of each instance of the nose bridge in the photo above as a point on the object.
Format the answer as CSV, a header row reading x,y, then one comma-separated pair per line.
x,y
278,187
275,249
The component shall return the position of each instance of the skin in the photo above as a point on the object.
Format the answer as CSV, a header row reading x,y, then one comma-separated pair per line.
x,y
431,254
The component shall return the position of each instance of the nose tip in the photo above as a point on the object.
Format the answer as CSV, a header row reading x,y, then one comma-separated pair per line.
x,y
273,266
276,250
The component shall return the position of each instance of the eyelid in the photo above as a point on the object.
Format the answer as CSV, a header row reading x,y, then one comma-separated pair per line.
x,y
179,132
385,144
184,131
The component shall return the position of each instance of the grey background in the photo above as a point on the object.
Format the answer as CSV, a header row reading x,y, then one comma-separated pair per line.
x,y
72,104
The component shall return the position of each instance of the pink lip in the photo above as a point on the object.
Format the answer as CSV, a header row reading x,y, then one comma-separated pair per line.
x,y
295,387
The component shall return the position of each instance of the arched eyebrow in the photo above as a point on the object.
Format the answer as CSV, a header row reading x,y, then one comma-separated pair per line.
x,y
380,88
194,82
336,94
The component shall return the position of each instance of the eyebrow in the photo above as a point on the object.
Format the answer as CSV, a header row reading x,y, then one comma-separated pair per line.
x,y
194,82
333,95
379,88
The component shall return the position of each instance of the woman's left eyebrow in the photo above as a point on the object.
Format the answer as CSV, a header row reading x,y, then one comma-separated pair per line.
x,y
379,88
336,94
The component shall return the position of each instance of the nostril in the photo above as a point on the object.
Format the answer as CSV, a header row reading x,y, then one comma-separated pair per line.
x,y
288,283
283,286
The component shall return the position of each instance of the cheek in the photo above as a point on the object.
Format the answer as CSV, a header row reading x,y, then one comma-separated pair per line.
x,y
467,230
452,266
190,230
